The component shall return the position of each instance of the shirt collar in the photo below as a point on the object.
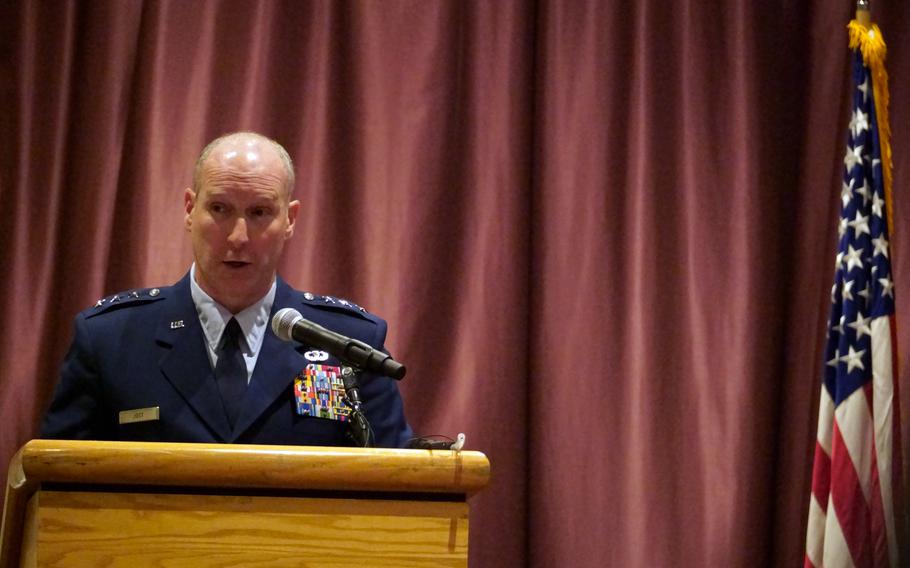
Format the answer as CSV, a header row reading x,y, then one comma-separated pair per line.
x,y
214,317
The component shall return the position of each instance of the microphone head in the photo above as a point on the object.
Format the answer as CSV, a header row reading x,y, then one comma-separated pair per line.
x,y
283,322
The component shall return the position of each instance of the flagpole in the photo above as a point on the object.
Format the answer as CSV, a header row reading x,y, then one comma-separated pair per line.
x,y
863,13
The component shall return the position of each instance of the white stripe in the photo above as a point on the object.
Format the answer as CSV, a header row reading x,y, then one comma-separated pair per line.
x,y
825,420
855,425
882,407
815,534
837,553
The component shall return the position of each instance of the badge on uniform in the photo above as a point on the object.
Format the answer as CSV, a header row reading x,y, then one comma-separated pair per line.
x,y
316,355
319,392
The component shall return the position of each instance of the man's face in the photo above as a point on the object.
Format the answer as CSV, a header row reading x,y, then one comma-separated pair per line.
x,y
239,221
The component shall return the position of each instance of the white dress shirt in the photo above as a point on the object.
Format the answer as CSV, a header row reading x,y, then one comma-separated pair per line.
x,y
214,317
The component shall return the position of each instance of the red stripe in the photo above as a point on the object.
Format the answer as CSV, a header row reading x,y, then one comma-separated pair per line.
x,y
821,477
849,503
808,563
867,390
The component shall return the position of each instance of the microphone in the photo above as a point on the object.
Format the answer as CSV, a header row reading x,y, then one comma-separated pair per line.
x,y
289,324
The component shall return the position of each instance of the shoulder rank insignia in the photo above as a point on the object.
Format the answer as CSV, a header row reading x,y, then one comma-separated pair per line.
x,y
331,301
126,298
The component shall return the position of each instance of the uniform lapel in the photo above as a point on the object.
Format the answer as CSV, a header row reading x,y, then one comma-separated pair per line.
x,y
186,364
278,364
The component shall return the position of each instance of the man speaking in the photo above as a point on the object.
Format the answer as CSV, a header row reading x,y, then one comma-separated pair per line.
x,y
198,361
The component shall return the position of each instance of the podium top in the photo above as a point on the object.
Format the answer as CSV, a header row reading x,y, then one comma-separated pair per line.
x,y
231,466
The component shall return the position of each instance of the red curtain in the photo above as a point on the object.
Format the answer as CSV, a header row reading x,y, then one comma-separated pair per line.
x,y
603,232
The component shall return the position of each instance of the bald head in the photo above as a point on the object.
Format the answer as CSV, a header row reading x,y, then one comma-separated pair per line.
x,y
244,151
239,215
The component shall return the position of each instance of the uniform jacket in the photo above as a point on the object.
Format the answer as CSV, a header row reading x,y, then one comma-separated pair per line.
x,y
146,348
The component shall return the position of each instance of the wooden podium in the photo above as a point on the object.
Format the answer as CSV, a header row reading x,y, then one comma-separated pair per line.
x,y
86,503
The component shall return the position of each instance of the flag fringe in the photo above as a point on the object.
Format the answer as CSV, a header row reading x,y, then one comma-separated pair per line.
x,y
871,43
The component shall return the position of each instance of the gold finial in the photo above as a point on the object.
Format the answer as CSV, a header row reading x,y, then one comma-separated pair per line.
x,y
863,12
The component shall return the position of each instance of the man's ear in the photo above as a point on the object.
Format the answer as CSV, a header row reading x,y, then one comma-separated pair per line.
x,y
293,209
189,201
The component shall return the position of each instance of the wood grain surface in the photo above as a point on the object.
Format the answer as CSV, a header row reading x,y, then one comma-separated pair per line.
x,y
136,529
234,465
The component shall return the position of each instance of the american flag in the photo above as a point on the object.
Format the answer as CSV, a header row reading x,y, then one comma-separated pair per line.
x,y
857,468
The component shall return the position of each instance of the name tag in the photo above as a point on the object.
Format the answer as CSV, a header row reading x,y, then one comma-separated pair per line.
x,y
139,415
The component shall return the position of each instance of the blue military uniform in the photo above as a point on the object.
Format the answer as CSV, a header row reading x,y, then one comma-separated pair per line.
x,y
145,349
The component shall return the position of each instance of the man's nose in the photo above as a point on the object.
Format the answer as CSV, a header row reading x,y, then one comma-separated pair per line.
x,y
238,234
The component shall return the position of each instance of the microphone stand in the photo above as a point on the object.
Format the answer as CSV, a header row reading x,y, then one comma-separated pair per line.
x,y
359,430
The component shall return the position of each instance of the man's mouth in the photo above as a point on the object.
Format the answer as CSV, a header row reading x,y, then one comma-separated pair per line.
x,y
236,263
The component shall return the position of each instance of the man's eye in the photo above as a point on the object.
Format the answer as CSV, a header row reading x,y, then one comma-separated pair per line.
x,y
216,208
260,212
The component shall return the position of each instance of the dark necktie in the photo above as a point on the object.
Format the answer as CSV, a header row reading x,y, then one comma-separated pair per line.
x,y
230,371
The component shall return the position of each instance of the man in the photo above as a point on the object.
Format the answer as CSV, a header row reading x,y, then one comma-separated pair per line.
x,y
198,361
